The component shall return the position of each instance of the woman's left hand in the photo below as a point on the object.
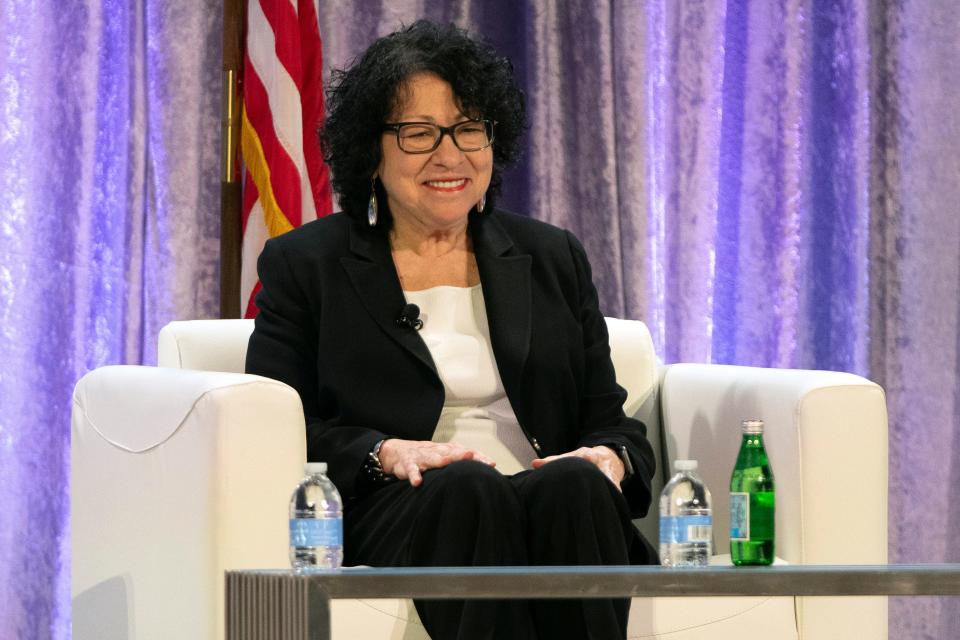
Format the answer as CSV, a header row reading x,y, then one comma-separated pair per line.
x,y
605,458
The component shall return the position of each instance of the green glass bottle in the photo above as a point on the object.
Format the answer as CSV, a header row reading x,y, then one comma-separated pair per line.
x,y
752,500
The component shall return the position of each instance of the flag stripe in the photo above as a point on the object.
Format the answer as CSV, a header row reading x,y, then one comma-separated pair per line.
x,y
252,309
254,237
286,182
282,18
259,171
284,174
313,107
250,195
283,98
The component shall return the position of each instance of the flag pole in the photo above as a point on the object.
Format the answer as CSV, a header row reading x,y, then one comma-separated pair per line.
x,y
230,189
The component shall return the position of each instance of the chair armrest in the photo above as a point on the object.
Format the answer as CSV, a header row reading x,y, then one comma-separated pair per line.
x,y
826,434
177,475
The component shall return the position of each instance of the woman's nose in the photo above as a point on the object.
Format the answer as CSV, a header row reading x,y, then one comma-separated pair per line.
x,y
448,153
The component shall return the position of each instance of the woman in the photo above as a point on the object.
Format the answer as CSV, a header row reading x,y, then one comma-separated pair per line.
x,y
482,426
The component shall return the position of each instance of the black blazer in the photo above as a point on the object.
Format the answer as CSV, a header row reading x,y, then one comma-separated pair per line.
x,y
327,327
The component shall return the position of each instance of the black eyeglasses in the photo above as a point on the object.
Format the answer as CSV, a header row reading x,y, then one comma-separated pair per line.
x,y
424,137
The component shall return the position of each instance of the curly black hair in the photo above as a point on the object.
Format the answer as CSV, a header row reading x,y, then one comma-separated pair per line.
x,y
361,98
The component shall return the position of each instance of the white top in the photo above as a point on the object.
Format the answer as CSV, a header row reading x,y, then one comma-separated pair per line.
x,y
476,412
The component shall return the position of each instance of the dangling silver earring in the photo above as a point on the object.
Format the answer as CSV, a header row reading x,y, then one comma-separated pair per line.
x,y
483,203
372,205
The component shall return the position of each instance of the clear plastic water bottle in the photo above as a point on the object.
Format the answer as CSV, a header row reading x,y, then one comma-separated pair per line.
x,y
686,523
316,522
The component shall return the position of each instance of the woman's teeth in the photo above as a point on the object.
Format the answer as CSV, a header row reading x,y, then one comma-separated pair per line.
x,y
446,184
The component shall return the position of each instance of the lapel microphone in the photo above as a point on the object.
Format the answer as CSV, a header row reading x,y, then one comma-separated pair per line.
x,y
410,318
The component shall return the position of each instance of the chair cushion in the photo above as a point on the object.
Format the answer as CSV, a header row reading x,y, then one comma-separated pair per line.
x,y
207,345
631,349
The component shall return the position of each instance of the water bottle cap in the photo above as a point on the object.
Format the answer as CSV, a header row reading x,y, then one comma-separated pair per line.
x,y
315,467
754,425
685,465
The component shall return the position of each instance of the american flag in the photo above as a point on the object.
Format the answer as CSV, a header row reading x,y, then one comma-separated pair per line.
x,y
286,182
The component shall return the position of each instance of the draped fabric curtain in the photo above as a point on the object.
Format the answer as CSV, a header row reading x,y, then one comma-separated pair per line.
x,y
764,183
109,228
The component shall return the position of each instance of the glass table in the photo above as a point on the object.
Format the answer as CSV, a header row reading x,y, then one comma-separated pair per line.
x,y
279,604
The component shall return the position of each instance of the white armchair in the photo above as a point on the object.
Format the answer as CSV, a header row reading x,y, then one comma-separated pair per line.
x,y
183,471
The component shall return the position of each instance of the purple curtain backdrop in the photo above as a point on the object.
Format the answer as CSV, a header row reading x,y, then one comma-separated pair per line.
x,y
109,225
764,183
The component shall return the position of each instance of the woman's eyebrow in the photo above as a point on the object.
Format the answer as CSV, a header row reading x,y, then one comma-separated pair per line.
x,y
460,117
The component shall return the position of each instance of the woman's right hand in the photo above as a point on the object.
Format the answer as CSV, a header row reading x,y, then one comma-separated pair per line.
x,y
407,459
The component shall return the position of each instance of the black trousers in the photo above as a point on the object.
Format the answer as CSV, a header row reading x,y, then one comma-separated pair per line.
x,y
469,514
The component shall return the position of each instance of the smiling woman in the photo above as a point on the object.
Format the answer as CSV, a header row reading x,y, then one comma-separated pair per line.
x,y
369,95
496,435
433,192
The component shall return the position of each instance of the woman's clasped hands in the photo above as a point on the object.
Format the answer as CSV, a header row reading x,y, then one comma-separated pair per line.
x,y
408,459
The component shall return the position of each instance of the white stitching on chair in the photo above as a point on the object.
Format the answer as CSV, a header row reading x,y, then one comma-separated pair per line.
x,y
667,635
89,420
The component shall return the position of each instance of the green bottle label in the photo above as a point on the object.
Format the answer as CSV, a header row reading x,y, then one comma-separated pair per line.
x,y
739,516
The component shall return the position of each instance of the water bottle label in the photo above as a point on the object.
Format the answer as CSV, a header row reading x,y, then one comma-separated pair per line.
x,y
739,516
680,529
316,532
